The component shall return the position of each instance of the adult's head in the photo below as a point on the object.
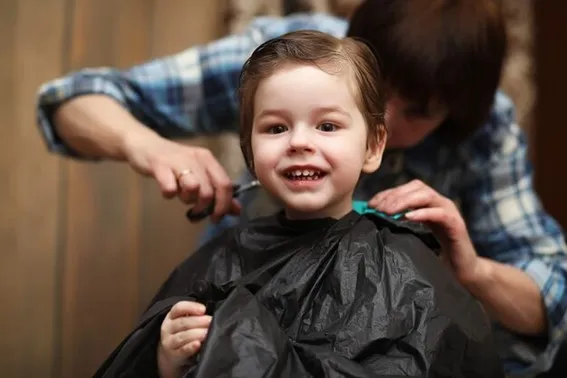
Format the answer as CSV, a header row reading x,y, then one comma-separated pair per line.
x,y
441,59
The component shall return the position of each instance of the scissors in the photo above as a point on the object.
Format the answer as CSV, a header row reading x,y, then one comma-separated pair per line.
x,y
237,189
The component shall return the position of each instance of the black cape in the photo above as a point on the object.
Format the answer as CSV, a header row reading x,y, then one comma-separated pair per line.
x,y
358,297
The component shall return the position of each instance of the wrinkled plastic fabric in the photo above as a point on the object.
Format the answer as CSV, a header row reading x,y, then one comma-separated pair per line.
x,y
358,297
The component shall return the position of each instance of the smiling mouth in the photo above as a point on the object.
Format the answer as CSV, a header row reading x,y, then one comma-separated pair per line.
x,y
304,174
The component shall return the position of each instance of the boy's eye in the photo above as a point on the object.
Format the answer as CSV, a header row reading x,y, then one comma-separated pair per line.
x,y
327,127
277,129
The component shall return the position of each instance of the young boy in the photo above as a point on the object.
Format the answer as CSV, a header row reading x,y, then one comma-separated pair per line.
x,y
315,290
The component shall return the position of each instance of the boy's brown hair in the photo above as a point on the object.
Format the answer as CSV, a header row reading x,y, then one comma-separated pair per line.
x,y
451,51
326,52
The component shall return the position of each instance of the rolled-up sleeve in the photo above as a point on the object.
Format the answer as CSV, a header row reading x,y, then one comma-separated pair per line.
x,y
56,92
508,223
190,93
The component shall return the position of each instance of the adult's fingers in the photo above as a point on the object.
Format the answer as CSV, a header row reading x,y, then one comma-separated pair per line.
x,y
235,208
195,175
166,180
221,184
383,197
435,215
418,198
204,196
189,181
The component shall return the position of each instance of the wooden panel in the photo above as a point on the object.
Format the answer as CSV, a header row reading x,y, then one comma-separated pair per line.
x,y
10,257
101,266
550,132
30,46
166,236
179,24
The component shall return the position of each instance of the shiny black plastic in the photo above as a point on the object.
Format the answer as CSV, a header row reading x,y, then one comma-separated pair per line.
x,y
358,297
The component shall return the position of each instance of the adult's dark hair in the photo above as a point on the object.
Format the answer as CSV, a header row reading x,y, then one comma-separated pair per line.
x,y
448,50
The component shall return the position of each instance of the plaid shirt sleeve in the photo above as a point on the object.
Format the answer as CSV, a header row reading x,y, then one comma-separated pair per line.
x,y
190,93
507,223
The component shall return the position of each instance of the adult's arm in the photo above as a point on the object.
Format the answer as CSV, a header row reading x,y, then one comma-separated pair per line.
x,y
523,279
131,115
186,94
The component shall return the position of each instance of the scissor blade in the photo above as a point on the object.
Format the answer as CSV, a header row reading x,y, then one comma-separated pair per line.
x,y
246,187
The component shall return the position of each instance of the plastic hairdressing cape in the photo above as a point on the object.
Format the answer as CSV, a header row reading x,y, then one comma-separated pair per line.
x,y
357,297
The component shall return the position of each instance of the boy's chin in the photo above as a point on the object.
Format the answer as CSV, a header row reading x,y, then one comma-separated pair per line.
x,y
311,211
304,210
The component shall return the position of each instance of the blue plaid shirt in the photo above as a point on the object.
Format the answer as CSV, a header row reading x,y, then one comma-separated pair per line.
x,y
489,176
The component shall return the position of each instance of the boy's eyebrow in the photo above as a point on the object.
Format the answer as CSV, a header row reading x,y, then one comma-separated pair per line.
x,y
274,112
331,109
317,111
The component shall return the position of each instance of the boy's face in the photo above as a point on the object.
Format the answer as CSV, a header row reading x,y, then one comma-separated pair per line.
x,y
309,141
409,125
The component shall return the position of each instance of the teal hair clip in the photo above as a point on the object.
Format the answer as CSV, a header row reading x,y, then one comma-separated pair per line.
x,y
362,207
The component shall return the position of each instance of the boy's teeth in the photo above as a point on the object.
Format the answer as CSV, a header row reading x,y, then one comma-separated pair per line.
x,y
303,173
309,174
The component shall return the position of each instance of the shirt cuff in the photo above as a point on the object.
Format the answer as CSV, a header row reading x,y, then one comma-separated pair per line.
x,y
531,355
56,93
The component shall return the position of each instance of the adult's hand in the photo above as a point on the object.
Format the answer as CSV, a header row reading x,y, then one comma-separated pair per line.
x,y
189,172
509,294
96,126
440,213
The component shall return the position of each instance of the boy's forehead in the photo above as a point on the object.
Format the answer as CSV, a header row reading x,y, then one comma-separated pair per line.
x,y
332,69
300,79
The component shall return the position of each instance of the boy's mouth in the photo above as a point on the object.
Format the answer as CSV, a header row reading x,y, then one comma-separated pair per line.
x,y
300,174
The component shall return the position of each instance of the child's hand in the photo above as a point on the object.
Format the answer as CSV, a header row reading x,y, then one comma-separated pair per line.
x,y
182,331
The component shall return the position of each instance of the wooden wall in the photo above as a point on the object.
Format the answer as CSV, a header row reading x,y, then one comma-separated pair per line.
x,y
82,246
550,121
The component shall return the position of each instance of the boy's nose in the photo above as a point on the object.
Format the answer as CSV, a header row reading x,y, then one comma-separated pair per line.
x,y
300,140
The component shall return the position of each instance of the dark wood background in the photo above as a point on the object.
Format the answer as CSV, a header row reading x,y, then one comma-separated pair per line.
x,y
84,246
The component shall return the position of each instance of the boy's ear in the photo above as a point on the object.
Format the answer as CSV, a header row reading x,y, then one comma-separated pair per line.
x,y
374,151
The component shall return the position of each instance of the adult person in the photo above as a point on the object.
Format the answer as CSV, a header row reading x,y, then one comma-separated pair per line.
x,y
453,141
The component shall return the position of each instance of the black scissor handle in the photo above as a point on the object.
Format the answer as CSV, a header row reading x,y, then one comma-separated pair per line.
x,y
195,217
237,189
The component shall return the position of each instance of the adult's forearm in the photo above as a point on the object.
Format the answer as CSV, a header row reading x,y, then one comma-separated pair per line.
x,y
96,126
511,297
